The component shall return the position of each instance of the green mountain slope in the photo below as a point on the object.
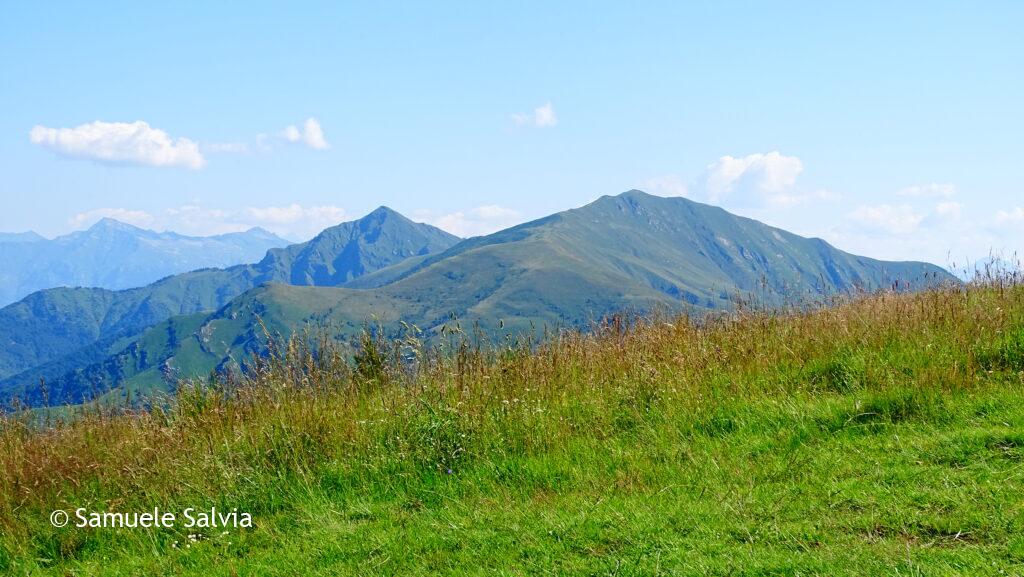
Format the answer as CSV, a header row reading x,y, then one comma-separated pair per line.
x,y
48,325
629,252
52,332
352,249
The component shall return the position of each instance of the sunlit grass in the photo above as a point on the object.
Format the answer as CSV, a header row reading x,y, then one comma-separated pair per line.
x,y
883,435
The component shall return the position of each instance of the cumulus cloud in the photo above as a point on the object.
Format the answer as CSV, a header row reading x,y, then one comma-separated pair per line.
x,y
932,190
541,117
198,220
928,226
949,210
120,143
137,143
291,133
311,134
298,220
472,222
764,174
925,222
901,219
1012,216
750,183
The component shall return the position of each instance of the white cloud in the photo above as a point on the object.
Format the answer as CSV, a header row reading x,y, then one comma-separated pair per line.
x,y
138,143
933,190
902,219
755,182
949,210
196,220
291,134
1013,216
134,217
764,176
541,117
930,226
947,240
472,222
924,223
311,134
296,219
667,185
120,143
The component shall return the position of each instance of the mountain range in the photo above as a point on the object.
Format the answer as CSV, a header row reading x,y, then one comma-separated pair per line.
x,y
115,255
28,236
633,252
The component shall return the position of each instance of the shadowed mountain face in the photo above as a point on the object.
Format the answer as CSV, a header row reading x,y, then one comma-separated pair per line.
x,y
350,250
629,252
54,331
114,255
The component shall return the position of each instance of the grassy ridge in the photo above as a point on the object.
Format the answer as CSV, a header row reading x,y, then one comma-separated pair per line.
x,y
882,436
81,340
633,252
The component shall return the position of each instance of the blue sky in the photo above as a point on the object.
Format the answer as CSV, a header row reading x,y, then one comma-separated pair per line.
x,y
890,129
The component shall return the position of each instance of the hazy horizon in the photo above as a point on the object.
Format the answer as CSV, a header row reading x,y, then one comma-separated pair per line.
x,y
888,131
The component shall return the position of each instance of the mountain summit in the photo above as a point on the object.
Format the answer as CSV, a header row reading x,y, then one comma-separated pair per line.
x,y
635,248
55,330
633,252
349,250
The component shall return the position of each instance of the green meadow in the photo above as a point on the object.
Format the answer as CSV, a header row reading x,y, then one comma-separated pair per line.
x,y
882,435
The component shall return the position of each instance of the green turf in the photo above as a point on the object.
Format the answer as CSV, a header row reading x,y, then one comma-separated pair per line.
x,y
881,438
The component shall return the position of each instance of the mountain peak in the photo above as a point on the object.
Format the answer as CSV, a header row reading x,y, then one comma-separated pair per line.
x,y
350,249
259,231
636,193
382,213
107,223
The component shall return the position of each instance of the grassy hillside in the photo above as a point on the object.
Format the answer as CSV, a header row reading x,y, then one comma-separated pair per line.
x,y
49,325
878,437
78,339
660,247
631,252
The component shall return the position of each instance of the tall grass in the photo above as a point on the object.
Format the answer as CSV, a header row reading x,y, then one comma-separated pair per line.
x,y
314,417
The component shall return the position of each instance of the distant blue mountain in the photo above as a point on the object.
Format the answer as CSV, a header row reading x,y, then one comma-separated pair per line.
x,y
633,252
115,255
28,236
66,328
